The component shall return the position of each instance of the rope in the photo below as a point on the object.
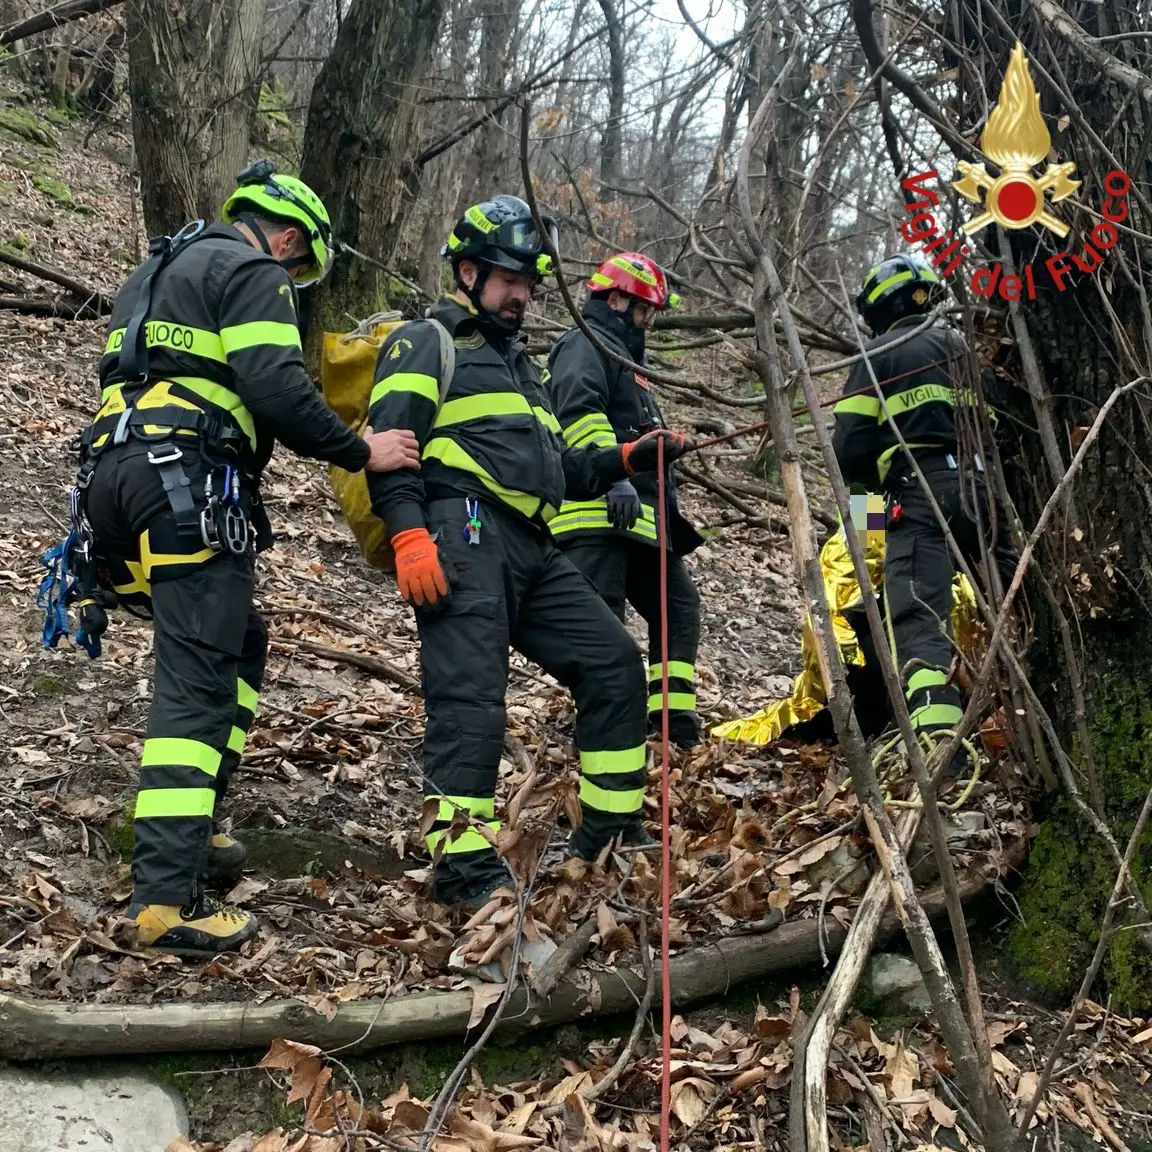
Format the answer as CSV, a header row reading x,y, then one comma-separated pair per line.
x,y
665,818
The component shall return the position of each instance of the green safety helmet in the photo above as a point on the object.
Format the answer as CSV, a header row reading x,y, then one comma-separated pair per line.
x,y
286,199
501,233
898,286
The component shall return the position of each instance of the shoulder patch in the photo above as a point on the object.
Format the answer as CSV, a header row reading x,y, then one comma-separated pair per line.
x,y
398,349
469,343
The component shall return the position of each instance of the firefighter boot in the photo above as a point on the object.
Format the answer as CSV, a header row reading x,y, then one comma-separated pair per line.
x,y
588,842
683,729
198,930
471,887
225,859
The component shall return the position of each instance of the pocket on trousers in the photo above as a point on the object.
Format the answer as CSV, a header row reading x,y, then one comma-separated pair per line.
x,y
223,601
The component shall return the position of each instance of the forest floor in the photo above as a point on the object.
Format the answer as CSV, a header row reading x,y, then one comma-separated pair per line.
x,y
328,800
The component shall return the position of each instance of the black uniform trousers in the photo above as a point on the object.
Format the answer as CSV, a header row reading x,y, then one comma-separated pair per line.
x,y
515,588
210,650
628,572
918,570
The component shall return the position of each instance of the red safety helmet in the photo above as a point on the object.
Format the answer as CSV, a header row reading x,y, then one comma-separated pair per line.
x,y
636,274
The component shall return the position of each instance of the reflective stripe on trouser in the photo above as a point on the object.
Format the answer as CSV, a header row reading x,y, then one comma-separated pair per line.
x,y
516,589
624,572
202,625
918,590
248,684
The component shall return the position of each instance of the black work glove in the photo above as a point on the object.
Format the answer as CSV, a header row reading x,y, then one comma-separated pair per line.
x,y
623,505
640,455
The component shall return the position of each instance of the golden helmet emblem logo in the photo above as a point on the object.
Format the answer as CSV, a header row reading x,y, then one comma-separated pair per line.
x,y
1017,139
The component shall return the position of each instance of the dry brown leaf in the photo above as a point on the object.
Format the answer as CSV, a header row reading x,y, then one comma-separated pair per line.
x,y
180,1144
483,997
941,1113
689,1099
273,1142
242,1143
576,1084
1000,1030
287,1054
901,1070
482,1138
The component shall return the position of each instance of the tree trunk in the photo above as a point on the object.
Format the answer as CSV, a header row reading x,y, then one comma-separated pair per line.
x,y
1088,338
359,144
194,82
611,144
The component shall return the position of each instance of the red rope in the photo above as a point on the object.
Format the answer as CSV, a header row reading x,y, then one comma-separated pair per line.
x,y
665,819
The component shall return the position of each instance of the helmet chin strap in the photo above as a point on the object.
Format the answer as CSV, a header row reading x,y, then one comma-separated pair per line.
x,y
291,262
486,315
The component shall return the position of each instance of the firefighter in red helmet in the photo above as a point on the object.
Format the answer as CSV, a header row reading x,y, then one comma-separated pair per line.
x,y
613,539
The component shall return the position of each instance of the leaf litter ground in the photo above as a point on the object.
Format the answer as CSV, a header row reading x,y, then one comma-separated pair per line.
x,y
329,795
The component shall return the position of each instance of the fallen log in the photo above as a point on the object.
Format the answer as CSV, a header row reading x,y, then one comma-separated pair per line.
x,y
37,1030
50,306
91,296
53,18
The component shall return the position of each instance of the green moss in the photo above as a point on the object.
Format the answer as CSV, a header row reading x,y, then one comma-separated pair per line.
x,y
57,189
21,122
1070,874
61,115
120,835
49,685
16,243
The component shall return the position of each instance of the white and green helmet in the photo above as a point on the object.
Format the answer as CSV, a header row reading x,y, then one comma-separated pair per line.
x,y
290,201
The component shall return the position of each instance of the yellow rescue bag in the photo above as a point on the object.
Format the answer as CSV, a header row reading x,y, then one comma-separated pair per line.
x,y
347,370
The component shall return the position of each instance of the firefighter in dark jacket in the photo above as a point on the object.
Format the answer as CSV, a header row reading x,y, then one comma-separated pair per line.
x,y
613,539
926,381
201,375
474,557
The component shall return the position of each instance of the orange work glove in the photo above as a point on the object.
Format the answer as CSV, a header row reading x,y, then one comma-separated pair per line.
x,y
640,455
418,569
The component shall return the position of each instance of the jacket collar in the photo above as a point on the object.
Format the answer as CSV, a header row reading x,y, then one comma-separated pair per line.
x,y
462,320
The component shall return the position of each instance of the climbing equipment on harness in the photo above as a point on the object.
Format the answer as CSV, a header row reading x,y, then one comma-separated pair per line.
x,y
72,579
223,525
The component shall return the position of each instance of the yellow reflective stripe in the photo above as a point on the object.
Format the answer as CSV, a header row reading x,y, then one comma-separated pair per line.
x,y
910,398
246,695
178,337
451,455
176,751
419,382
577,515
677,702
492,405
891,282
469,840
595,424
160,802
884,460
603,800
925,678
257,332
858,406
937,715
220,397
470,805
624,760
678,668
236,740
546,418
150,559
593,439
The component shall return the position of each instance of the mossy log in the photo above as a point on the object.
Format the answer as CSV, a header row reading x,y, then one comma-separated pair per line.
x,y
36,1030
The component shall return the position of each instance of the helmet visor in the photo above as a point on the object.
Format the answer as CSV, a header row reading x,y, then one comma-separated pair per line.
x,y
520,237
311,274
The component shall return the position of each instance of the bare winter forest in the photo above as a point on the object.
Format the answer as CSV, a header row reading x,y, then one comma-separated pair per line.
x,y
765,153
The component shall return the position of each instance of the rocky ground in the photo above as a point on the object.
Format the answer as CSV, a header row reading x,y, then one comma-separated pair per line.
x,y
328,798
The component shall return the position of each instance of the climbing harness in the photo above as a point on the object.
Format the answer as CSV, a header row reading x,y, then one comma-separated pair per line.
x,y
74,578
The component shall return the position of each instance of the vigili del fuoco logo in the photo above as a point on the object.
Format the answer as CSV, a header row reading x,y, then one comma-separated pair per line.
x,y
1017,140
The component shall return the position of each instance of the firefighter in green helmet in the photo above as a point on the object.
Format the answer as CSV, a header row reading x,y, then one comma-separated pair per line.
x,y
202,374
926,380
475,559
